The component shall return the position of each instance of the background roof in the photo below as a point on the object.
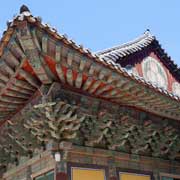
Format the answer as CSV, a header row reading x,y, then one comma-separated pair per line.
x,y
102,24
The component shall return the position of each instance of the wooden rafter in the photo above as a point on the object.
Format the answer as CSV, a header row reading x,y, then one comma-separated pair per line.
x,y
32,48
60,73
22,90
17,94
23,84
11,59
6,105
4,67
3,77
10,99
31,79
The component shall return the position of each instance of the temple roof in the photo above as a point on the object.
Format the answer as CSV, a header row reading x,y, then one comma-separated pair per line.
x,y
118,52
32,54
34,58
147,40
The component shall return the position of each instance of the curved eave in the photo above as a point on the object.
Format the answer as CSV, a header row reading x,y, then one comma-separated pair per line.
x,y
73,65
128,48
142,94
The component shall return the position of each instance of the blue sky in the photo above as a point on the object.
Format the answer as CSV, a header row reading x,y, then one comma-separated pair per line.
x,y
99,24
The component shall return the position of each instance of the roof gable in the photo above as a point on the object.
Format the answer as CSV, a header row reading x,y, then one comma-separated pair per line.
x,y
141,46
127,49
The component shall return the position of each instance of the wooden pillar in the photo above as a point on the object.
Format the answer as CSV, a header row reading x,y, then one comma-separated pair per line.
x,y
2,170
61,176
29,172
156,176
61,170
61,167
112,169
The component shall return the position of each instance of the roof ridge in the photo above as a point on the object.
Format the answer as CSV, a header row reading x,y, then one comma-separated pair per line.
x,y
143,36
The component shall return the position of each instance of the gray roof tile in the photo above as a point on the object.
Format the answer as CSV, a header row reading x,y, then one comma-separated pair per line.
x,y
128,48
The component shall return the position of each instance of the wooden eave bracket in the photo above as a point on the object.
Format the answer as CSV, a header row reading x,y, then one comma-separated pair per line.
x,y
31,47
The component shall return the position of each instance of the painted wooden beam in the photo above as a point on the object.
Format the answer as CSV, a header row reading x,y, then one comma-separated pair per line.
x,y
9,99
94,86
88,83
2,84
79,80
6,68
31,79
22,90
8,105
35,39
103,89
17,50
44,43
58,53
60,72
3,77
11,59
34,56
69,77
82,64
23,84
17,94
